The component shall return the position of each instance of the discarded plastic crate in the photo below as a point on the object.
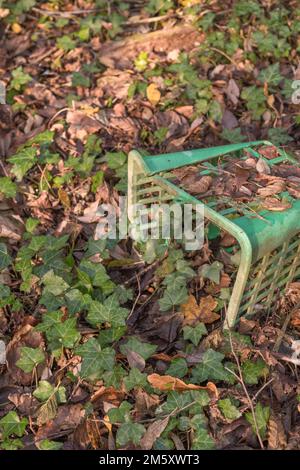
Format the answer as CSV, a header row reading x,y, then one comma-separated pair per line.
x,y
269,244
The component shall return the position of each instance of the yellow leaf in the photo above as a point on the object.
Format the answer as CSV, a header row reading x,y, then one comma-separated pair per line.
x,y
16,28
190,3
194,313
153,93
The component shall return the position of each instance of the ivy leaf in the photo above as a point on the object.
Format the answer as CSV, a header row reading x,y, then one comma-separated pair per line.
x,y
253,371
11,424
143,349
46,444
271,75
54,284
108,312
135,379
114,377
130,432
75,301
22,161
279,136
7,187
44,391
194,334
5,259
172,297
202,440
229,410
59,334
12,444
66,43
95,359
115,159
120,414
178,368
30,358
262,415
19,79
211,271
211,368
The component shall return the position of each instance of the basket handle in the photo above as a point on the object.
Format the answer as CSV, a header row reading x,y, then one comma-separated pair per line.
x,y
170,161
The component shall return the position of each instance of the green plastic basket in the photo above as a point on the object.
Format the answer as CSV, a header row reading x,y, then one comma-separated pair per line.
x,y
269,244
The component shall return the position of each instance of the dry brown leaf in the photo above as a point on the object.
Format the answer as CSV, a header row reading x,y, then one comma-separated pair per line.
x,y
276,434
271,189
194,313
263,167
64,198
153,93
153,432
167,383
295,320
275,205
199,186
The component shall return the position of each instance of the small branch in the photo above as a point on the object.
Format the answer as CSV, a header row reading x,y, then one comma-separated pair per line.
x,y
241,380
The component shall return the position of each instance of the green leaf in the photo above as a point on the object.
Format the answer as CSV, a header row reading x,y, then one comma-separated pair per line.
x,y
143,349
108,312
22,161
5,259
54,284
44,391
11,424
12,444
194,334
141,62
114,377
59,334
7,187
135,379
120,414
211,368
129,432
211,271
229,410
178,368
115,159
271,75
97,275
279,136
262,415
234,136
95,359
253,371
75,301
66,43
172,297
30,358
46,444
19,79
31,224
202,440
79,79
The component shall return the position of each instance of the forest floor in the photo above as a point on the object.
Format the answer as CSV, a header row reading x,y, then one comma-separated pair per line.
x,y
114,343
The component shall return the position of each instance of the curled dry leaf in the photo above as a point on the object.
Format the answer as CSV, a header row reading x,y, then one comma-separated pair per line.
x,y
167,383
276,205
263,167
204,312
200,186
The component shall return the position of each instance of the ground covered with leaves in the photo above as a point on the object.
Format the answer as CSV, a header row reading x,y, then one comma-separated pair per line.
x,y
118,344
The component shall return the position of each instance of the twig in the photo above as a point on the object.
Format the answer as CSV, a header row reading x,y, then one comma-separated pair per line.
x,y
137,297
284,327
223,54
241,381
262,388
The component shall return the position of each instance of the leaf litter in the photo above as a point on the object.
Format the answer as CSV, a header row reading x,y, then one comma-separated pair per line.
x,y
117,344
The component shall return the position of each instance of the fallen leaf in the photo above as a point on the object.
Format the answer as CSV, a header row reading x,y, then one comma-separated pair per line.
x,y
153,432
272,189
233,91
167,383
276,205
153,94
194,313
263,167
